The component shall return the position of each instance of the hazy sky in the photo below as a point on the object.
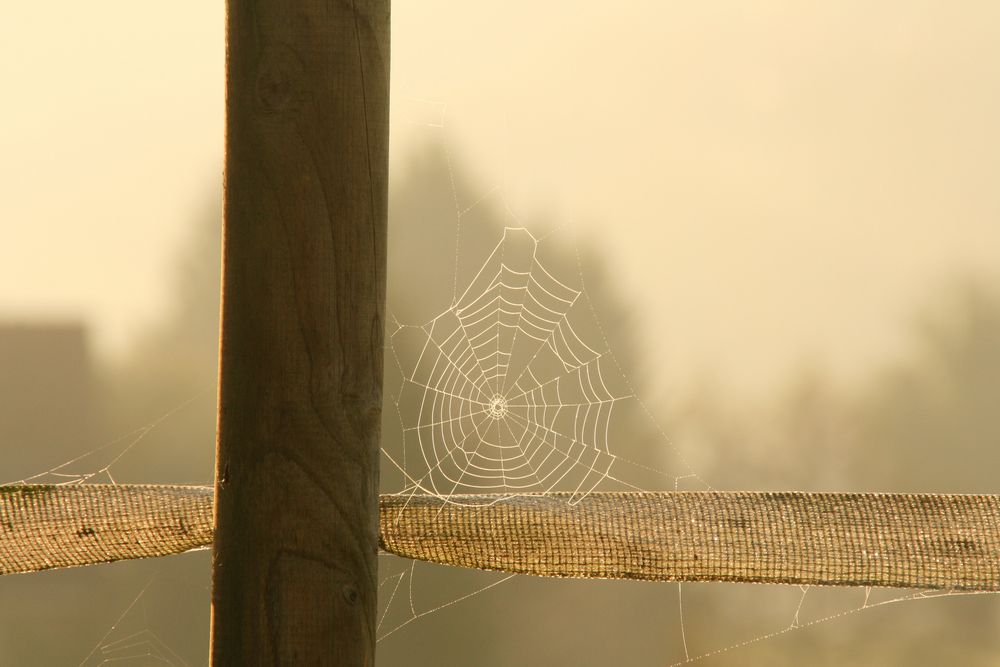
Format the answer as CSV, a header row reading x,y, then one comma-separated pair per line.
x,y
775,183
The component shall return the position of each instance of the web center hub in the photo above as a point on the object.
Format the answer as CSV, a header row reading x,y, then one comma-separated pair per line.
x,y
497,407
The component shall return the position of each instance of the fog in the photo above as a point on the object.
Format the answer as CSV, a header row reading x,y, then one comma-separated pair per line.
x,y
787,220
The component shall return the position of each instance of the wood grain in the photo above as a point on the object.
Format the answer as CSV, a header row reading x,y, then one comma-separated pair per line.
x,y
833,539
44,526
848,539
302,333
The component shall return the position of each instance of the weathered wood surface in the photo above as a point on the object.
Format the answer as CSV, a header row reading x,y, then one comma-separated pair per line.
x,y
43,527
295,553
904,540
848,539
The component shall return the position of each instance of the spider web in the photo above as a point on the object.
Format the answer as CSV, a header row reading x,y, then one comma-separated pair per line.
x,y
512,386
131,641
504,396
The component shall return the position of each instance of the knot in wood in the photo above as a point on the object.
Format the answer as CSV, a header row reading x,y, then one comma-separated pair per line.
x,y
280,80
351,594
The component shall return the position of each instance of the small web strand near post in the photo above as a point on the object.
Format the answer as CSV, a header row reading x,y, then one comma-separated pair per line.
x,y
81,468
130,640
134,636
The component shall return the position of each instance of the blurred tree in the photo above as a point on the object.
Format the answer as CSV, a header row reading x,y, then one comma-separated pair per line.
x,y
932,424
928,423
174,363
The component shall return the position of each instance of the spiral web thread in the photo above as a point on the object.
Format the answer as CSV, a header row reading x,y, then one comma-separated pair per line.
x,y
502,395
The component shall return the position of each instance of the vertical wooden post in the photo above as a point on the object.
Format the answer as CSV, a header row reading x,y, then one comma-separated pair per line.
x,y
295,554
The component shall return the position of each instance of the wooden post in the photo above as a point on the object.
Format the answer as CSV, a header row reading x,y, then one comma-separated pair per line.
x,y
295,551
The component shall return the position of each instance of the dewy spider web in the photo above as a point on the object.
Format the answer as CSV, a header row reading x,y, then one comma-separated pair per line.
x,y
503,395
519,322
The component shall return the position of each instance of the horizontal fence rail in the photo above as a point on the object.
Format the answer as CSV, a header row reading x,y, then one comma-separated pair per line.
x,y
899,540
46,526
839,539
